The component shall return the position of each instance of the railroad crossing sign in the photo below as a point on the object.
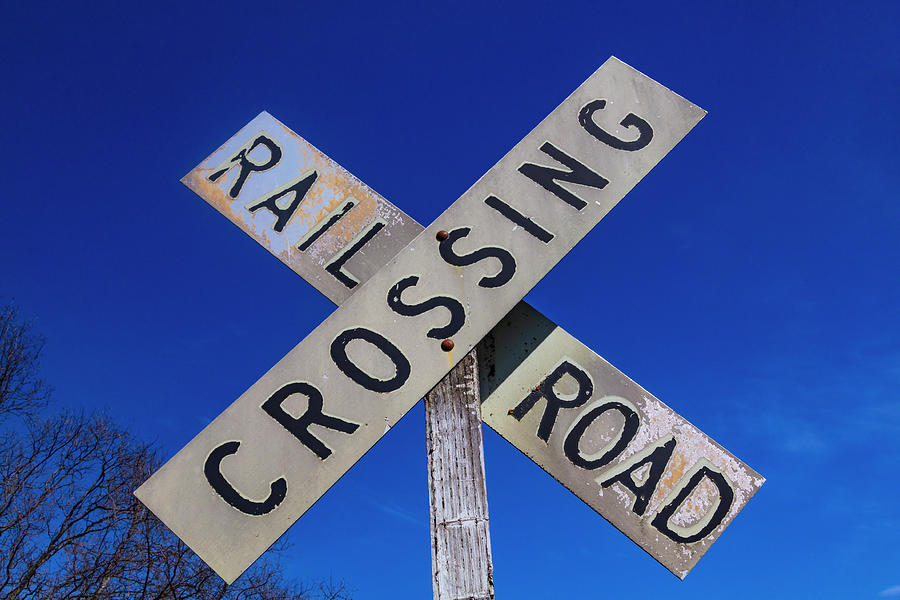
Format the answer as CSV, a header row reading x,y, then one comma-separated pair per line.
x,y
404,291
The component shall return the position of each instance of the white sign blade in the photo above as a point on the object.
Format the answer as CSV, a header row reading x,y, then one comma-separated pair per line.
x,y
645,469
302,206
237,486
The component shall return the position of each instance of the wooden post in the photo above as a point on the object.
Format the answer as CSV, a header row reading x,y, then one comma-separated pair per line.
x,y
460,535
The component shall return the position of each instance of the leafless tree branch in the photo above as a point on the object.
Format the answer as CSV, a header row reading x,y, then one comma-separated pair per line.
x,y
70,526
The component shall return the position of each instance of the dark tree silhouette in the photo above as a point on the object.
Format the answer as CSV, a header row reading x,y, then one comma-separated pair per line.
x,y
21,389
70,527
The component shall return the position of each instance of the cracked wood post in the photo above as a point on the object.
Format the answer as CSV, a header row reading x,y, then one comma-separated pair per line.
x,y
460,534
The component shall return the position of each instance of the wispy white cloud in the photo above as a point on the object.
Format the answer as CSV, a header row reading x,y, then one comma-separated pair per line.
x,y
811,412
799,440
398,512
406,513
891,592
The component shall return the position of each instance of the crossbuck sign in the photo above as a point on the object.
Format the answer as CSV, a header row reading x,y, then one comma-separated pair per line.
x,y
404,291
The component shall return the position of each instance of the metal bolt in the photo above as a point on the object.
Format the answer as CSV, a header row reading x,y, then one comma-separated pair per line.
x,y
441,236
447,345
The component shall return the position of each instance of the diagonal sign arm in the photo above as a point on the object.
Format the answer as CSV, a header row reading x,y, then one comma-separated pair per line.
x,y
260,465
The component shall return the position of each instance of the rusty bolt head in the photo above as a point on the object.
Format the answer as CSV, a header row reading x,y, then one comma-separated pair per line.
x,y
447,345
441,236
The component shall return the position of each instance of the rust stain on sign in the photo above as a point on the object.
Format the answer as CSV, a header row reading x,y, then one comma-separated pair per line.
x,y
336,211
301,196
644,468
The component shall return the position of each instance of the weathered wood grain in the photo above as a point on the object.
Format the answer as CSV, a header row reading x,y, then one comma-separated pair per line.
x,y
460,532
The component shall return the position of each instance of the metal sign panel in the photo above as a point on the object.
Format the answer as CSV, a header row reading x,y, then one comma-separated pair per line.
x,y
523,333
237,486
302,206
657,478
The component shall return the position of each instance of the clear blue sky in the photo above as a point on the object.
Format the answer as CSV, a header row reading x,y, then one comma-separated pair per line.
x,y
750,281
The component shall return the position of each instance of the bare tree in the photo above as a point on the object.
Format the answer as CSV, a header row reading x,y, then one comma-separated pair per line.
x,y
70,527
21,389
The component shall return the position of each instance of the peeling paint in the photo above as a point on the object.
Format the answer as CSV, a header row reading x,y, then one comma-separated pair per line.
x,y
519,369
332,186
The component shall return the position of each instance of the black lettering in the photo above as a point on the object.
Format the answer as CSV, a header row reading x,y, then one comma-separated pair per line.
x,y
726,497
658,460
242,160
333,218
283,215
554,402
546,177
645,132
457,312
629,429
343,362
507,261
213,472
336,266
518,218
299,427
